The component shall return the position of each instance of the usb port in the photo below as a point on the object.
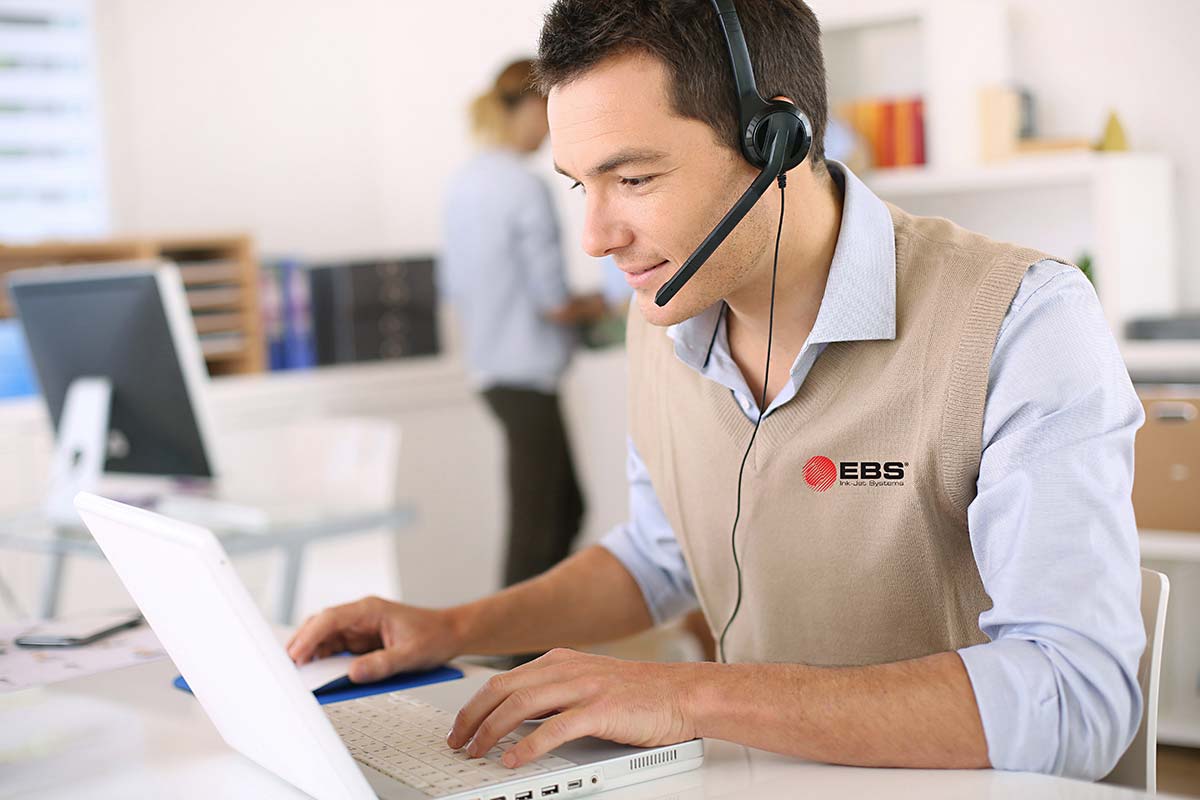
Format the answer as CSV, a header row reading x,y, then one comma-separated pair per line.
x,y
524,796
575,784
501,797
549,790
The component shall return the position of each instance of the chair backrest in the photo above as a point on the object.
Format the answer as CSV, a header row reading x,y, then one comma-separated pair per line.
x,y
1138,766
328,462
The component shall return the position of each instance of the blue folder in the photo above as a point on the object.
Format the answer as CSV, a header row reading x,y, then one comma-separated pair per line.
x,y
343,689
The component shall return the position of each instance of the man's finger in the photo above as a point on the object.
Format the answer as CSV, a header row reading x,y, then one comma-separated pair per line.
x,y
523,704
292,639
377,665
321,627
574,723
494,692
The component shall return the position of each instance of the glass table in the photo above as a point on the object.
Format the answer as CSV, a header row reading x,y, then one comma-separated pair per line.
x,y
289,528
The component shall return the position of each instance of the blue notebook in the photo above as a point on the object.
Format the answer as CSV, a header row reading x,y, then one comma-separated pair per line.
x,y
343,689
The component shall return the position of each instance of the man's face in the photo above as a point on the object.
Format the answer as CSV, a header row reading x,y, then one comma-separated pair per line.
x,y
656,184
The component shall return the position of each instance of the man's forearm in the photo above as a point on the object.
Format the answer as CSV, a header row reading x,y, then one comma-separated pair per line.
x,y
919,713
588,598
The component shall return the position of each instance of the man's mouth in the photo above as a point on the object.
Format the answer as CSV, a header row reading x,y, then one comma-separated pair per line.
x,y
637,277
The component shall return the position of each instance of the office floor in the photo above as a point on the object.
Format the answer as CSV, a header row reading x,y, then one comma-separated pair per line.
x,y
1179,770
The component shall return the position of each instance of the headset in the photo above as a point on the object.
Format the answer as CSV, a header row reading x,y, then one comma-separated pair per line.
x,y
775,137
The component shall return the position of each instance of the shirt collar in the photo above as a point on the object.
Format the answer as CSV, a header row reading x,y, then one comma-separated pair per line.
x,y
860,295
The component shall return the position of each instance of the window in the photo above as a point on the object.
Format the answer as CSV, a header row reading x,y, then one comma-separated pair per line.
x,y
52,172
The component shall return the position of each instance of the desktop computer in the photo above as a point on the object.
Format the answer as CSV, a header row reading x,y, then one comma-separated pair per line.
x,y
118,362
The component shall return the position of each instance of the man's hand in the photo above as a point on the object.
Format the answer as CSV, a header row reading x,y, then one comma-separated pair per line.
x,y
395,636
581,308
630,702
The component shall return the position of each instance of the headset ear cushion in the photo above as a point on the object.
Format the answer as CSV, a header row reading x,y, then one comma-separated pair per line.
x,y
778,114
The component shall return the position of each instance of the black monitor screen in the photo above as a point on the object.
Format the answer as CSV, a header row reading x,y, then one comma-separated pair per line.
x,y
115,327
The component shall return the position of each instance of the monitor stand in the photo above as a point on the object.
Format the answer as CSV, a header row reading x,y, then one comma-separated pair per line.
x,y
81,447
80,453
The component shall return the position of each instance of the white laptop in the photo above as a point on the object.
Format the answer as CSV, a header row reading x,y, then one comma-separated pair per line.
x,y
386,745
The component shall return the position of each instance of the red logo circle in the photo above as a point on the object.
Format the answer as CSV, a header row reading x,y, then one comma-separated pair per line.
x,y
820,473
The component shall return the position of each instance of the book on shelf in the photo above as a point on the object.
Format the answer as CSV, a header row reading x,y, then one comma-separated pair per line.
x,y
892,131
287,316
372,310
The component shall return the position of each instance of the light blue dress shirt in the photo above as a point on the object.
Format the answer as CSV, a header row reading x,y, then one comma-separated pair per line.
x,y
502,269
1052,526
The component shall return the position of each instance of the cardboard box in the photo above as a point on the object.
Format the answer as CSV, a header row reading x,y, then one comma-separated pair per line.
x,y
1166,477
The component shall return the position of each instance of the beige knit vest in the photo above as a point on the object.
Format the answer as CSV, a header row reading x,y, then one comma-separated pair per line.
x,y
868,570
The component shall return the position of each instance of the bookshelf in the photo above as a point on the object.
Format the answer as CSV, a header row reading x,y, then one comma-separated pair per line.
x,y
219,272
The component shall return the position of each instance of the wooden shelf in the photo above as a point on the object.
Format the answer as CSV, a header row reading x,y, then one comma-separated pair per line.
x,y
217,354
202,273
220,273
223,298
219,322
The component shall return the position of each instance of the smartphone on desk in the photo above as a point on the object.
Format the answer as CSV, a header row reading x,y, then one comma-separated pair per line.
x,y
78,630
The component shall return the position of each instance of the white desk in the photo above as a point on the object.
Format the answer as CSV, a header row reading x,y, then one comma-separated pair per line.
x,y
129,734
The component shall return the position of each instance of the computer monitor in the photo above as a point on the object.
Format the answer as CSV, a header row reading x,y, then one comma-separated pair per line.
x,y
119,365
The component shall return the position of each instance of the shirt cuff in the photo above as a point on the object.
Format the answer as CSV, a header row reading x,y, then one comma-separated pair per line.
x,y
665,599
1017,695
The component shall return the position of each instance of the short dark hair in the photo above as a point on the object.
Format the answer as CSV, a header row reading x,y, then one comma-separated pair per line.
x,y
783,36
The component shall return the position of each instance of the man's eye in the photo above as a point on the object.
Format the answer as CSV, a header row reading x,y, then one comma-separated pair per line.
x,y
636,182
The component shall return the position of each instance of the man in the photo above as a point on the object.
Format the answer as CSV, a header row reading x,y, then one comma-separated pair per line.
x,y
976,607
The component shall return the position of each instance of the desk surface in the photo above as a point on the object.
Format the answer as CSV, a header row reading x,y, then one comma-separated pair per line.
x,y
128,733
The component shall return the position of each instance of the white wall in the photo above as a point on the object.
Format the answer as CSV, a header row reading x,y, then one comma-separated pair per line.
x,y
325,128
1082,58
329,128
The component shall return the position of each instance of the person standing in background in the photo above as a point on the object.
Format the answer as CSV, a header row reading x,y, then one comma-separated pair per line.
x,y
503,272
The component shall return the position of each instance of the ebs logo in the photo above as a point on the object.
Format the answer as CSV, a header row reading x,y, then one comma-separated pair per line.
x,y
820,473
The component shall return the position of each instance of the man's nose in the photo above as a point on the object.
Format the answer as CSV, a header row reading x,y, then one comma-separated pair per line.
x,y
603,230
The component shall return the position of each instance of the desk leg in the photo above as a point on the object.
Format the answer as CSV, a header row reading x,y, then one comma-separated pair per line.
x,y
285,605
51,585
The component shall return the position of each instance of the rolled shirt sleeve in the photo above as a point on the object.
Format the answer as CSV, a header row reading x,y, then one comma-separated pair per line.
x,y
1053,534
648,549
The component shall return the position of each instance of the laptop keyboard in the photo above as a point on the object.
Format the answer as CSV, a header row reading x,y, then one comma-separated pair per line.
x,y
405,739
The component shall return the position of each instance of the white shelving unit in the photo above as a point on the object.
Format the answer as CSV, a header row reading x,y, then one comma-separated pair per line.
x,y
1117,207
1181,546
1029,172
1162,359
894,48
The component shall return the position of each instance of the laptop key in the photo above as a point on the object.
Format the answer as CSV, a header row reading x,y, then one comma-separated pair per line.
x,y
403,739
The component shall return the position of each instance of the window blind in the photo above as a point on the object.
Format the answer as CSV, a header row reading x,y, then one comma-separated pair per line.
x,y
52,165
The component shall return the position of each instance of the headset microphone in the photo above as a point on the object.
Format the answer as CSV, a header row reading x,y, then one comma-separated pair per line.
x,y
775,136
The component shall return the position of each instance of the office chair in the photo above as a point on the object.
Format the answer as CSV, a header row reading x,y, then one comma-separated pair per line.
x,y
1138,767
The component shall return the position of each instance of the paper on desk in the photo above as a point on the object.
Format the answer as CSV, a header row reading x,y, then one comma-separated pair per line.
x,y
324,671
22,667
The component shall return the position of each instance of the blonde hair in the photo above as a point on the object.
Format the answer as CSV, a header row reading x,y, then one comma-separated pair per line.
x,y
491,112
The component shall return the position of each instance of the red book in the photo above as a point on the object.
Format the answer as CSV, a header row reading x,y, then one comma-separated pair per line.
x,y
918,131
885,146
904,133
